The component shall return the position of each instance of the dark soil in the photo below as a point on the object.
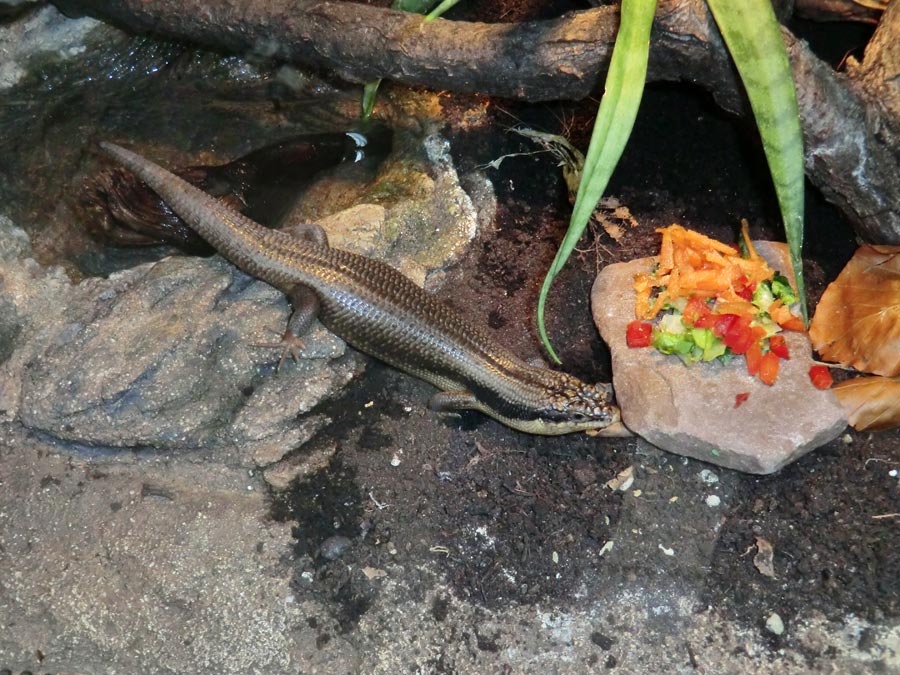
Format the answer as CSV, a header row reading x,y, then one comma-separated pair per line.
x,y
511,519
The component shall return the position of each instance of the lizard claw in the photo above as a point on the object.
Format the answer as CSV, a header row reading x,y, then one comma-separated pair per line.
x,y
289,344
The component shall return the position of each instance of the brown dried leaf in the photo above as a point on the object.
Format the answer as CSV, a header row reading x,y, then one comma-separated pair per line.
x,y
763,561
612,216
622,481
872,403
857,322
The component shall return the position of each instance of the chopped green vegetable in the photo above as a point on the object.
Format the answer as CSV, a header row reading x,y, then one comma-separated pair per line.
x,y
763,296
677,304
671,343
672,323
671,336
710,346
782,290
764,321
703,337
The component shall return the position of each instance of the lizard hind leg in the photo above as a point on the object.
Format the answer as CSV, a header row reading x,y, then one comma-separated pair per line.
x,y
453,401
306,308
310,232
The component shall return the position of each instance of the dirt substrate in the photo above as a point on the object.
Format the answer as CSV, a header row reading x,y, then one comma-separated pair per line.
x,y
511,521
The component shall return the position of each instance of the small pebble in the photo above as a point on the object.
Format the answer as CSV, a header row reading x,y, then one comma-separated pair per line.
x,y
584,476
333,547
774,624
713,501
708,477
893,473
395,461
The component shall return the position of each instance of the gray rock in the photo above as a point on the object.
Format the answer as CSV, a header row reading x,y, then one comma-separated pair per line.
x,y
691,410
298,465
163,356
160,356
415,214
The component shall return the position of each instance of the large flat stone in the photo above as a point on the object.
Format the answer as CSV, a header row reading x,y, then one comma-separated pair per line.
x,y
690,410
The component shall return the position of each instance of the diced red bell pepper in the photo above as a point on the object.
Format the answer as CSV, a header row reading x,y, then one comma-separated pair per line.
x,y
754,358
821,377
723,323
706,321
744,288
739,336
779,347
695,309
637,334
740,398
768,368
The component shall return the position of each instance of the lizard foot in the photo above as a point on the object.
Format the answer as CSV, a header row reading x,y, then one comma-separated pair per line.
x,y
289,346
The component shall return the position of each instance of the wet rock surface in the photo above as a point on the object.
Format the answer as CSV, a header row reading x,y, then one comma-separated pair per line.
x,y
692,411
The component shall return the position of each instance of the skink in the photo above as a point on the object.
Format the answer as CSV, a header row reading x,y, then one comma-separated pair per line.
x,y
382,313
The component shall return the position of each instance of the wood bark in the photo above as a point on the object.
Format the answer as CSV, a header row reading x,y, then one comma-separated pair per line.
x,y
849,121
864,11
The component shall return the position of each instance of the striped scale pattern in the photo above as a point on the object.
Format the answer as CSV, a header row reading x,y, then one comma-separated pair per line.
x,y
382,313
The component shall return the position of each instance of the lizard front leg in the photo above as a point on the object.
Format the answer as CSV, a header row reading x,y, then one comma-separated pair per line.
x,y
306,308
303,299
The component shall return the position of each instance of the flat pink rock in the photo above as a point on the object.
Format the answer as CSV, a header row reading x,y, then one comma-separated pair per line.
x,y
690,410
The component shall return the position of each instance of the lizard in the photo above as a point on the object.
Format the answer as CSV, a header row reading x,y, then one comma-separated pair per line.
x,y
380,312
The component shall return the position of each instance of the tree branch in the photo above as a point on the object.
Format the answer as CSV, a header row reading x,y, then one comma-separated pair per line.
x,y
847,155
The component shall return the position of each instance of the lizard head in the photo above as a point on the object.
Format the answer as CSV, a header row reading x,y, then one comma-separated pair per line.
x,y
570,405
577,406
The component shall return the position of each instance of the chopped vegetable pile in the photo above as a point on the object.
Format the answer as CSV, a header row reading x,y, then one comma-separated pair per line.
x,y
714,303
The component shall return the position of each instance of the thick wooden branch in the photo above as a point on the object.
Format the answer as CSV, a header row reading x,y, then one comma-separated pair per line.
x,y
864,11
847,155
533,61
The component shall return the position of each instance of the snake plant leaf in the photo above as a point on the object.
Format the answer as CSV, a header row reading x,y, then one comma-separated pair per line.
x,y
753,37
612,128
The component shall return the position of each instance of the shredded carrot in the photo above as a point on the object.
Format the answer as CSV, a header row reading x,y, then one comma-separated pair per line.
x,y
690,263
752,253
739,307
